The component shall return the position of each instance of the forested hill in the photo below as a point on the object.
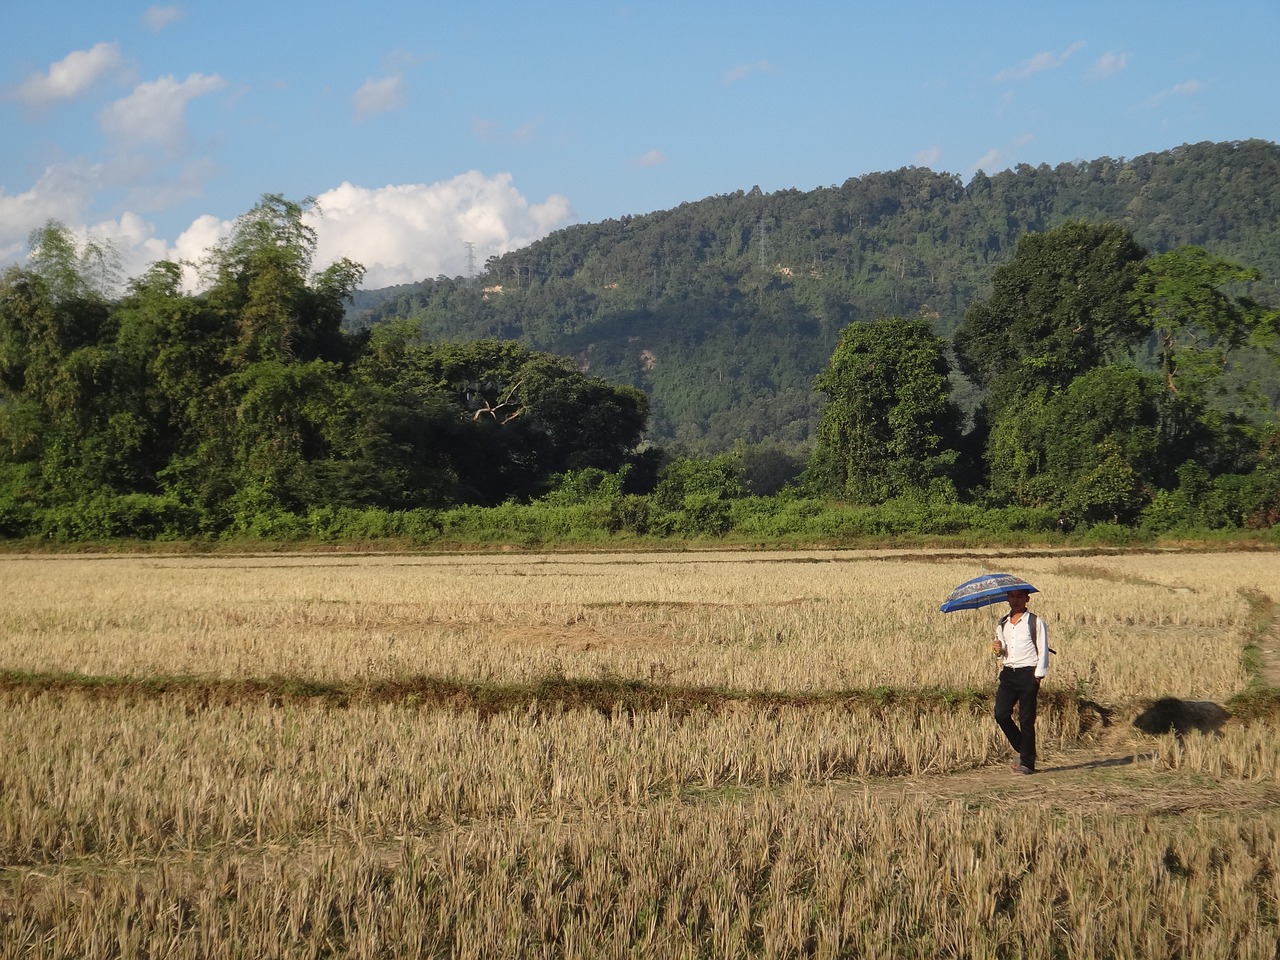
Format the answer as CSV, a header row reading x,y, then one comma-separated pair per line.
x,y
725,309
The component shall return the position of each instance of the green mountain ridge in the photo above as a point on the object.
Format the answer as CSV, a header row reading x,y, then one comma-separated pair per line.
x,y
725,309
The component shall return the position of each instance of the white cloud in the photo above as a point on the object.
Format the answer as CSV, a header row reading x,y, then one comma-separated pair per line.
x,y
72,75
378,96
133,239
62,193
927,158
68,192
1185,89
156,112
1110,64
526,130
194,244
490,131
998,158
654,158
989,161
1039,63
157,18
409,232
204,233
397,60
744,70
400,233
150,188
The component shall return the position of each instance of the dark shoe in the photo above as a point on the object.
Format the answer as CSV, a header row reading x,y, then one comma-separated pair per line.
x,y
1021,770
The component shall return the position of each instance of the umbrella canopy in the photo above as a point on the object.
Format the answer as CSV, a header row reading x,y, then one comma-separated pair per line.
x,y
983,591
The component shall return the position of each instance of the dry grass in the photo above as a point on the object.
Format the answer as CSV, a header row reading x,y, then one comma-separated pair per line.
x,y
790,818
821,873
155,775
789,622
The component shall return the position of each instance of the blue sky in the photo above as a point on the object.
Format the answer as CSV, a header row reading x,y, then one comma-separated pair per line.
x,y
420,127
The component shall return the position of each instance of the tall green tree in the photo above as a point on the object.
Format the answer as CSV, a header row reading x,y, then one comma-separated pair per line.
x,y
58,420
1197,322
260,275
170,359
1091,451
264,422
1199,319
520,417
889,427
1059,308
73,270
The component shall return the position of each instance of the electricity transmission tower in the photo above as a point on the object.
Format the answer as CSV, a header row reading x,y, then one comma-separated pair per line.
x,y
471,259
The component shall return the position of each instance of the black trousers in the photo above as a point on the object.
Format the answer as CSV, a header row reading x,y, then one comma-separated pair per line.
x,y
1018,685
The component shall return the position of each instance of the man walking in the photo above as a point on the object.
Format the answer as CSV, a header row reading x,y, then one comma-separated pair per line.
x,y
1023,643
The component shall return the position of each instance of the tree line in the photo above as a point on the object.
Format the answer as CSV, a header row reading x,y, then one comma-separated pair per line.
x,y
1106,397
166,413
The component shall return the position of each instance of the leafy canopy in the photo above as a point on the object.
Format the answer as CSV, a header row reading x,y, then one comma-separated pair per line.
x,y
889,427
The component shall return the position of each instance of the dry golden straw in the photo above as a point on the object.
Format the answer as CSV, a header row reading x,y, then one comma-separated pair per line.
x,y
167,821
1127,627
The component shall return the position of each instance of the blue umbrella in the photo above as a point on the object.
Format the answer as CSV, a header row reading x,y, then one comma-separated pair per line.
x,y
983,591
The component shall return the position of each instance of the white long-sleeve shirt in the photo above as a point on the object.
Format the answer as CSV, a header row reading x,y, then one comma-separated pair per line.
x,y
1020,649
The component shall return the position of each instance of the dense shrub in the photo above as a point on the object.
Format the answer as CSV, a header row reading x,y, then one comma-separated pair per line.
x,y
589,485
1112,535
352,525
716,478
133,516
703,514
16,519
629,513
598,512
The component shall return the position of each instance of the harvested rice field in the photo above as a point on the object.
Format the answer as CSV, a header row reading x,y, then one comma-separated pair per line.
x,y
697,754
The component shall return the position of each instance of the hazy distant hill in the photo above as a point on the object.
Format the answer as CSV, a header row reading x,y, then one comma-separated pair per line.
x,y
724,309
